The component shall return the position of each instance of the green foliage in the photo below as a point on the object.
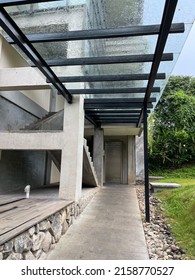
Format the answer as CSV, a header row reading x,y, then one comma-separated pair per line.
x,y
184,83
172,128
185,172
179,205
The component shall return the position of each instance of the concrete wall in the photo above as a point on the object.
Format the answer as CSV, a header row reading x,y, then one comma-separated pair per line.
x,y
21,168
139,157
13,117
18,168
9,58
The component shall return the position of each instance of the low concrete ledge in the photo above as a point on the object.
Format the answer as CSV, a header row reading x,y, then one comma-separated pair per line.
x,y
32,140
161,186
156,178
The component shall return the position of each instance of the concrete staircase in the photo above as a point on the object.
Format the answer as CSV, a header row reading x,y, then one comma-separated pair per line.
x,y
51,121
54,122
89,174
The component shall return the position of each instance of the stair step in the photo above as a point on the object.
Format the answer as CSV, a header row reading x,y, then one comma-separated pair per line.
x,y
32,125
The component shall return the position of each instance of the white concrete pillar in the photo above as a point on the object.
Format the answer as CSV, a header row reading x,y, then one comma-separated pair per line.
x,y
72,151
98,154
131,160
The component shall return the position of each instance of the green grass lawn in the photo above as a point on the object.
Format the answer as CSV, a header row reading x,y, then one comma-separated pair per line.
x,y
179,205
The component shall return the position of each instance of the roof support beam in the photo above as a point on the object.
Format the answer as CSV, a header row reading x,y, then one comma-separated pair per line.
x,y
109,78
6,3
167,18
107,60
116,100
111,90
103,115
104,111
117,121
101,33
116,118
91,120
17,35
116,106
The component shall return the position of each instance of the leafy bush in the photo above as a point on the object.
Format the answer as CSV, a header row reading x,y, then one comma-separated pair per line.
x,y
172,129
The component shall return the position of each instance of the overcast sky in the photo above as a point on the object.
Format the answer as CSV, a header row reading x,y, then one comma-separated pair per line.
x,y
186,62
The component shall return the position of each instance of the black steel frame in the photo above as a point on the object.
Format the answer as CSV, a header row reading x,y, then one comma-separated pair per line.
x,y
7,3
108,60
18,36
101,33
112,90
101,111
167,18
109,78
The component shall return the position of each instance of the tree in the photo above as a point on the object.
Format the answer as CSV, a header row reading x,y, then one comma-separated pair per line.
x,y
185,83
172,129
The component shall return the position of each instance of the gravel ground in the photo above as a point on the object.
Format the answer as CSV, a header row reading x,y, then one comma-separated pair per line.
x,y
160,242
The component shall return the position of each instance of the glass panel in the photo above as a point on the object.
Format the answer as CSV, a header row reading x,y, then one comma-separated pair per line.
x,y
71,15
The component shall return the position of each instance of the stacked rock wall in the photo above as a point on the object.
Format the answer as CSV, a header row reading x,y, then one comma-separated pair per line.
x,y
38,240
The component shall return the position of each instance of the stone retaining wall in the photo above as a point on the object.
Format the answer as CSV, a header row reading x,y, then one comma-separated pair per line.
x,y
36,242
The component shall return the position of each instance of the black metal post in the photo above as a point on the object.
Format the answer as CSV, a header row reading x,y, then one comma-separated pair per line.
x,y
147,192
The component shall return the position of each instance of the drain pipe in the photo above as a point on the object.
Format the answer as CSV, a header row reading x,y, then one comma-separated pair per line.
x,y
27,191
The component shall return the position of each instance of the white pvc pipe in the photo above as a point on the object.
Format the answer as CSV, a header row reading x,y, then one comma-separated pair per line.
x,y
27,191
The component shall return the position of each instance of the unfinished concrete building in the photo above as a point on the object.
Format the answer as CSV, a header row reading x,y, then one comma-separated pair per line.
x,y
78,79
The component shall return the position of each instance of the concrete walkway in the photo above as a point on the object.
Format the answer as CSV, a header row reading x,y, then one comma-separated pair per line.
x,y
109,228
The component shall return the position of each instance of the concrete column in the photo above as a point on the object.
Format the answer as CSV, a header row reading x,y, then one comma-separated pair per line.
x,y
52,103
131,160
72,150
48,161
98,154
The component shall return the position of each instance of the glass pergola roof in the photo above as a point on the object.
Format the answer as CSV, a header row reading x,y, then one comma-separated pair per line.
x,y
117,54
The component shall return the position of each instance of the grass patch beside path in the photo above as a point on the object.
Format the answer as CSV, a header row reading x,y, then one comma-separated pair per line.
x,y
182,181
179,205
183,172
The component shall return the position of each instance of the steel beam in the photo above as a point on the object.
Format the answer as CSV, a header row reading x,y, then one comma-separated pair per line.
x,y
91,120
168,14
116,106
109,78
17,35
116,118
117,121
126,115
107,60
111,90
116,100
6,3
105,111
101,33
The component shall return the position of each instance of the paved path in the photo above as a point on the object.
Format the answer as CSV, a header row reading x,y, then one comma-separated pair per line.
x,y
109,228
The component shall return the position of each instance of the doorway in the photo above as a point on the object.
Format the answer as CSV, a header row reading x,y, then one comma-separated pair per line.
x,y
113,162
